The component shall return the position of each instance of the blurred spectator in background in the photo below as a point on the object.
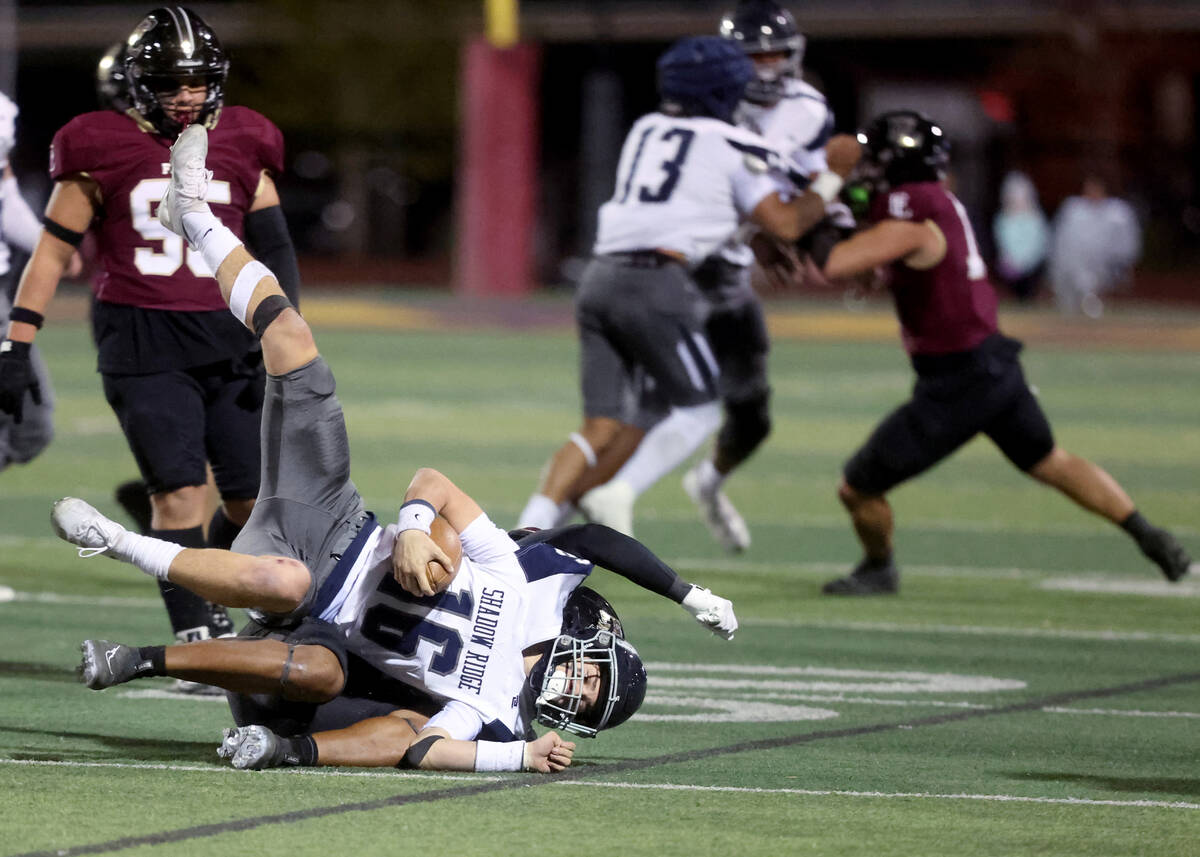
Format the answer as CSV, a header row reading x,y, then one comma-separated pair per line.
x,y
1097,239
27,429
1022,236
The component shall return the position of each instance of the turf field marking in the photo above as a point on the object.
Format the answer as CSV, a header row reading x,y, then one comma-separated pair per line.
x,y
684,756
1160,804
1110,636
687,787
1121,712
1156,588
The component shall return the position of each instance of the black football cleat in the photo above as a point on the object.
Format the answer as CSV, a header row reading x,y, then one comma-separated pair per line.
x,y
1167,553
865,580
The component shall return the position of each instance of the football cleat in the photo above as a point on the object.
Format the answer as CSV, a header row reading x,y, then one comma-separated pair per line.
x,y
865,580
251,748
610,504
78,522
1167,553
189,181
105,664
719,514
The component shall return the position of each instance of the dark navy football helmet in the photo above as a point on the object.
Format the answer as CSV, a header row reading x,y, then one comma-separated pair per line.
x,y
761,27
112,90
592,642
703,76
902,146
171,47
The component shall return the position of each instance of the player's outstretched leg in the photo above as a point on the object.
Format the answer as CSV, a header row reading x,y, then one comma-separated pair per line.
x,y
876,573
248,286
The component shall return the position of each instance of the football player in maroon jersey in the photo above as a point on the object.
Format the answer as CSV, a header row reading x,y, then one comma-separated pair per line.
x,y
184,379
969,379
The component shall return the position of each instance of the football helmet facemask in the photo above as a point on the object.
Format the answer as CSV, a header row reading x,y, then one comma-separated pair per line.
x,y
902,146
703,76
558,681
761,28
170,48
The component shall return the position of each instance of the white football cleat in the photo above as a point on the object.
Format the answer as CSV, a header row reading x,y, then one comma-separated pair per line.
x,y
610,504
250,747
719,514
189,180
77,522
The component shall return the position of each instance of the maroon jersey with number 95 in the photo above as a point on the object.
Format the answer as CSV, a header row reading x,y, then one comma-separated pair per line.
x,y
141,263
950,306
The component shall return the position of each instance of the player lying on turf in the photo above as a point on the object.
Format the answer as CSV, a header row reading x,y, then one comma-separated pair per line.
x,y
333,586
969,380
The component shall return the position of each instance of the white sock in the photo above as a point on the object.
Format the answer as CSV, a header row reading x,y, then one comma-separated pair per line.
x,y
669,444
151,555
213,239
540,512
566,511
708,476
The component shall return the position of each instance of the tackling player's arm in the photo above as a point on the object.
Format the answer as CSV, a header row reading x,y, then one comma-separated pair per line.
x,y
607,548
919,245
268,238
434,750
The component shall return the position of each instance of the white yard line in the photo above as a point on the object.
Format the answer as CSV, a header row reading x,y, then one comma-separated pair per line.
x,y
979,630
1122,712
393,774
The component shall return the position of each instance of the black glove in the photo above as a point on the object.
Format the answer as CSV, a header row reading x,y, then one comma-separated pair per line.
x,y
16,376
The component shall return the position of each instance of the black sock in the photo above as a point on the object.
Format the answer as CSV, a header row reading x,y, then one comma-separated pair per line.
x,y
156,657
188,612
300,751
869,565
221,530
1137,526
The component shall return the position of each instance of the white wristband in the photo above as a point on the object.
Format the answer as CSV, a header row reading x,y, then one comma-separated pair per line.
x,y
499,755
417,515
827,185
252,273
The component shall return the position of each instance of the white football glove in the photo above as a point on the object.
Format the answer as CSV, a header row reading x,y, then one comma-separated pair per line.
x,y
711,611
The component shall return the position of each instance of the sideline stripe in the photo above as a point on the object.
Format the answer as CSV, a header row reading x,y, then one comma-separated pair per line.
x,y
536,780
686,787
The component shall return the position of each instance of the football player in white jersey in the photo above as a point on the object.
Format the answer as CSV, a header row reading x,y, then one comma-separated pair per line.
x,y
795,119
687,180
314,564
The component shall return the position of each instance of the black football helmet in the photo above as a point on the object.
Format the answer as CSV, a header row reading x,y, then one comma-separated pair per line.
x,y
112,90
170,47
902,146
588,610
765,27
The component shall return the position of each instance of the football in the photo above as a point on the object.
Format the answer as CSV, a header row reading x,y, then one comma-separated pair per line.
x,y
446,538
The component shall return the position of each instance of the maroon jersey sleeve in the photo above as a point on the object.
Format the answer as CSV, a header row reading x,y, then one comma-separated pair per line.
x,y
141,263
950,306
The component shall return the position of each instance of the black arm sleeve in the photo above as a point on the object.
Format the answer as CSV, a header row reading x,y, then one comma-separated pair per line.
x,y
268,239
618,553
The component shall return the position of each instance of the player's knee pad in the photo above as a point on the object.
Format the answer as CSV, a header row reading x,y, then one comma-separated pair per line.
x,y
747,424
311,673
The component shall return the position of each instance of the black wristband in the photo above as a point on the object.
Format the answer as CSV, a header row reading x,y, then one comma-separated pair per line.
x,y
17,349
28,316
62,233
